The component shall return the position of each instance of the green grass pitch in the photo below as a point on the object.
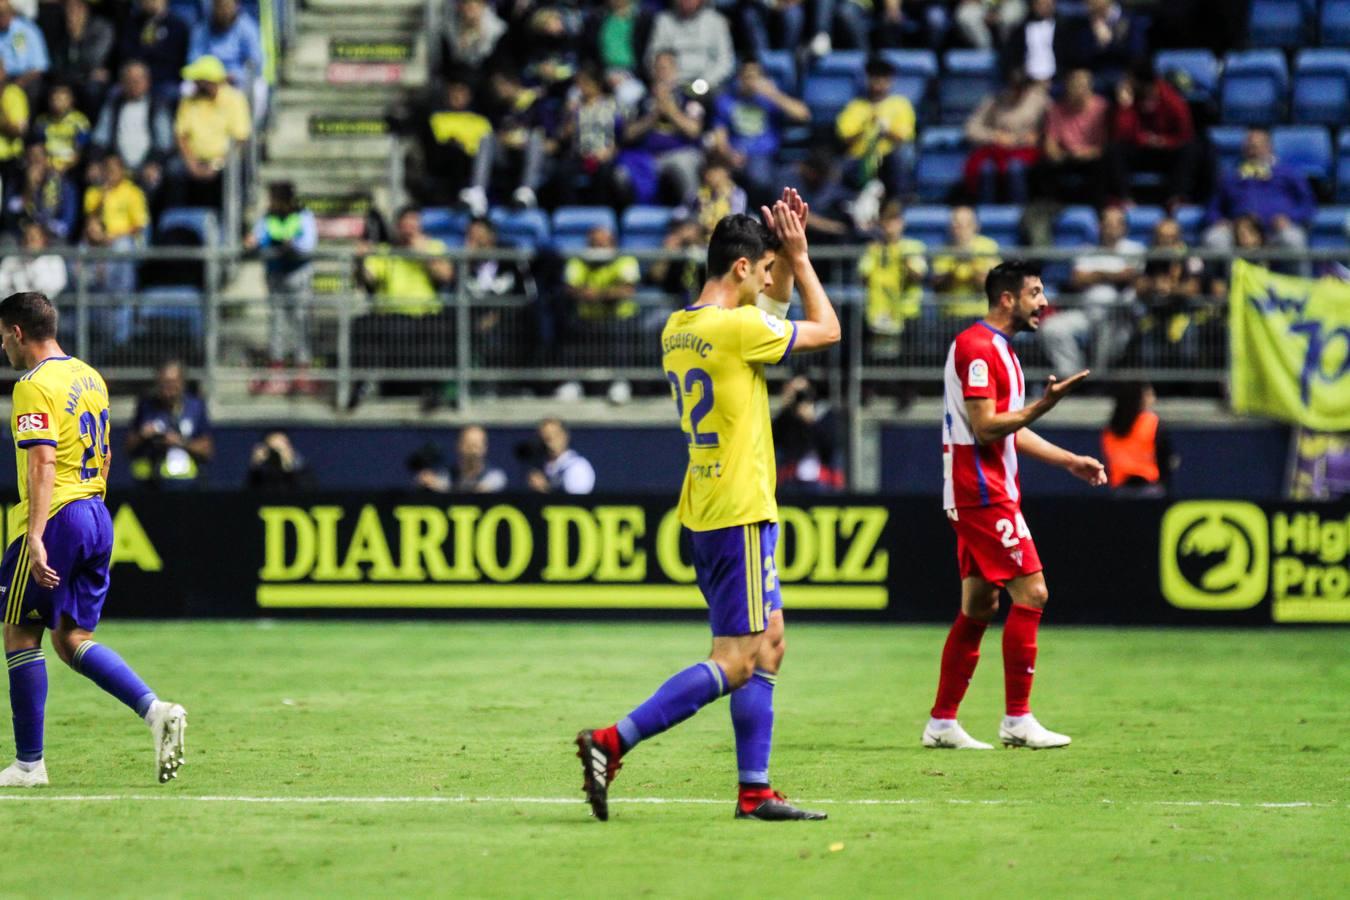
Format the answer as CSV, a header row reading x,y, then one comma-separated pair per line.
x,y
1204,763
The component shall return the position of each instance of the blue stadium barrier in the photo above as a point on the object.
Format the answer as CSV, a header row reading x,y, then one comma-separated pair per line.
x,y
1322,87
644,227
942,155
571,224
1277,23
1306,147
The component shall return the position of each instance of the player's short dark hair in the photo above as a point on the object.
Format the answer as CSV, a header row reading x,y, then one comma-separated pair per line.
x,y
736,236
31,311
1008,276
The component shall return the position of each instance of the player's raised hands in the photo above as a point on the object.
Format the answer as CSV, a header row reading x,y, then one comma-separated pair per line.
x,y
796,204
791,231
1088,469
1056,390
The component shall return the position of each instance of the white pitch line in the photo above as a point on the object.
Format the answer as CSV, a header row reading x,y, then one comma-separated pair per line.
x,y
43,797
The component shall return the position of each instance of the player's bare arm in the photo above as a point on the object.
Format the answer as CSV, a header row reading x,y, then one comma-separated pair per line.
x,y
991,426
820,329
41,479
1038,448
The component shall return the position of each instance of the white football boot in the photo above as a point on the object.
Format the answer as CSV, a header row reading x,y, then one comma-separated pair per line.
x,y
1025,731
947,734
17,777
168,722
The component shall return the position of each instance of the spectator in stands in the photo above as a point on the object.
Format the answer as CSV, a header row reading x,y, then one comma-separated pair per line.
x,y
1151,130
602,285
986,24
472,473
289,234
116,216
170,439
44,272
23,49
43,196
893,268
208,125
137,126
429,471
587,144
160,39
717,196
663,143
473,33
1261,186
682,279
13,126
1073,165
1107,40
748,120
874,128
63,129
1138,456
923,23
1032,45
803,444
407,324
831,201
700,40
81,52
457,146
552,46
959,279
519,137
786,21
1005,131
276,467
231,35
1098,322
556,467
1170,298
616,36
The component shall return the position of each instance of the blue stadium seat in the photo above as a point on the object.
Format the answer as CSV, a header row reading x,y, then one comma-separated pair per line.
x,y
914,72
781,66
520,227
571,224
1255,83
1307,147
928,224
200,221
1343,167
969,76
841,62
1002,223
1335,23
942,154
1076,227
1322,87
644,227
445,223
1189,218
1200,65
190,11
176,308
1226,140
826,94
1141,220
1328,228
1276,23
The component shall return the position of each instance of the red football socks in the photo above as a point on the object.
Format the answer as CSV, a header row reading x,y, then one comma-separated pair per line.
x,y
959,656
608,739
751,797
1019,657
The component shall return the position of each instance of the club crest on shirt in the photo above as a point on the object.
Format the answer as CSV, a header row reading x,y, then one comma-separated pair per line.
x,y
31,422
978,373
776,325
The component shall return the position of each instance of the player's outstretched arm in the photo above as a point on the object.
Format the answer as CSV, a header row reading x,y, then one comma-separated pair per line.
x,y
820,329
990,426
1085,467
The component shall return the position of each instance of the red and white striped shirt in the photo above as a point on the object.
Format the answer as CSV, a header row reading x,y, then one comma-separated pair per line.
x,y
980,364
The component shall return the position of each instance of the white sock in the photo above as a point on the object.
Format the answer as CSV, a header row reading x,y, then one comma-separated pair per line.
x,y
941,724
149,711
27,766
1015,720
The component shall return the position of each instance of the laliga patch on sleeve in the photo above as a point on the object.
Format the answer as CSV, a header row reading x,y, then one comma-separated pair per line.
x,y
978,373
776,325
32,422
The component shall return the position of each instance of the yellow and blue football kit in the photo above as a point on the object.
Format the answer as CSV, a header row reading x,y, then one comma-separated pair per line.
x,y
714,359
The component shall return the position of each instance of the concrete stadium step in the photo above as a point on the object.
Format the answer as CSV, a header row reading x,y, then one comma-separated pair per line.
x,y
311,61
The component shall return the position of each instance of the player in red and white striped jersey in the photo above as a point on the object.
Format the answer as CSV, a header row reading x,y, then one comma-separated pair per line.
x,y
985,419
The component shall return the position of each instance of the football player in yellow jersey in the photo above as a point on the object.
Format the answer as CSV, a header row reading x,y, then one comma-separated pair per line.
x,y
714,354
54,574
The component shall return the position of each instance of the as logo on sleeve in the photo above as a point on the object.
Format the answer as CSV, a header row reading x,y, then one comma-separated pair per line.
x,y
978,373
776,325
32,422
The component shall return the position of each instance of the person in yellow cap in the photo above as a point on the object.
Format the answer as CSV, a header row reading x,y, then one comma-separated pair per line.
x,y
208,125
